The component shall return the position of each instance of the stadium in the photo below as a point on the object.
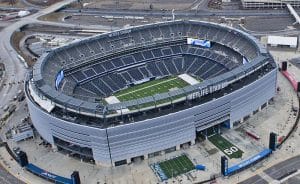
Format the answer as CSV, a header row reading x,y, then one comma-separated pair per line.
x,y
140,91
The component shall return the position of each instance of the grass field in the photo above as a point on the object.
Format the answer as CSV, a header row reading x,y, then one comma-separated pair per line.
x,y
177,166
225,146
151,88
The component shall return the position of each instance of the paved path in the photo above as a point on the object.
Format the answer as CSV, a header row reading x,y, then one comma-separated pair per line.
x,y
281,169
254,180
6,178
276,172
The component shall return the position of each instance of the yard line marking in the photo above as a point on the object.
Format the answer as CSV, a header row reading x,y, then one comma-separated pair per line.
x,y
162,82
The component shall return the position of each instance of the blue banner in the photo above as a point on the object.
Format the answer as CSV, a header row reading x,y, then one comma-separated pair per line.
x,y
59,78
251,160
203,43
45,174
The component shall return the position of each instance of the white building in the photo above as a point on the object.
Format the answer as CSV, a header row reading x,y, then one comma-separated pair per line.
x,y
269,3
282,41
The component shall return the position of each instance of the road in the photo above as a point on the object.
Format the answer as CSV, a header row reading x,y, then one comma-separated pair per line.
x,y
6,178
254,180
276,172
181,14
291,32
28,4
279,170
15,70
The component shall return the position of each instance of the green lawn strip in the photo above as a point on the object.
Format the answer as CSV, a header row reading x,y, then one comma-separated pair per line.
x,y
181,161
222,143
170,168
176,168
165,169
188,162
185,168
237,154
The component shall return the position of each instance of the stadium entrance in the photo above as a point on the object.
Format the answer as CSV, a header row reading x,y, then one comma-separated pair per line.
x,y
204,134
83,154
138,159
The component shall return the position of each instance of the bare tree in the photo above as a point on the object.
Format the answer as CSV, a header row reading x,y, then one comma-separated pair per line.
x,y
12,2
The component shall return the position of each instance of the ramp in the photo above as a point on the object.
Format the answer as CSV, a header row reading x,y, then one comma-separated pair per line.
x,y
294,13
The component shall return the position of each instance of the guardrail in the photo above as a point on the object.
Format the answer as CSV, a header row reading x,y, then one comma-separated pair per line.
x,y
293,129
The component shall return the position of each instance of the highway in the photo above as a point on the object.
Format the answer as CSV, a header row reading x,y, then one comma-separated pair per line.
x,y
181,14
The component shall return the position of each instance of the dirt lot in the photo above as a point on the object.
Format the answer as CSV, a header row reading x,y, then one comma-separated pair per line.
x,y
44,2
16,38
12,3
139,4
21,4
55,16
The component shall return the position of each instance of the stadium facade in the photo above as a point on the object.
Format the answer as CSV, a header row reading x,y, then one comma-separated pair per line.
x,y
66,88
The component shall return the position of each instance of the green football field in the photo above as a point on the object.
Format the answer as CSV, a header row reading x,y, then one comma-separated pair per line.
x,y
177,166
225,146
151,88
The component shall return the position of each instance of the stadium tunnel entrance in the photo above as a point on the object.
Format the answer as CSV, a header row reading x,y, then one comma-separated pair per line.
x,y
138,159
83,154
203,134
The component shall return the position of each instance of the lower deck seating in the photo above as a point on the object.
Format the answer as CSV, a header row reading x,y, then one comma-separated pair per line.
x,y
109,76
196,66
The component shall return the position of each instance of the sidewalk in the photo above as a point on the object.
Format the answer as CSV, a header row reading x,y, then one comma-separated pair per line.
x,y
10,165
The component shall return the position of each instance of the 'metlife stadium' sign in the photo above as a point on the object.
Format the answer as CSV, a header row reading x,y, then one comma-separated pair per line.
x,y
121,32
207,90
